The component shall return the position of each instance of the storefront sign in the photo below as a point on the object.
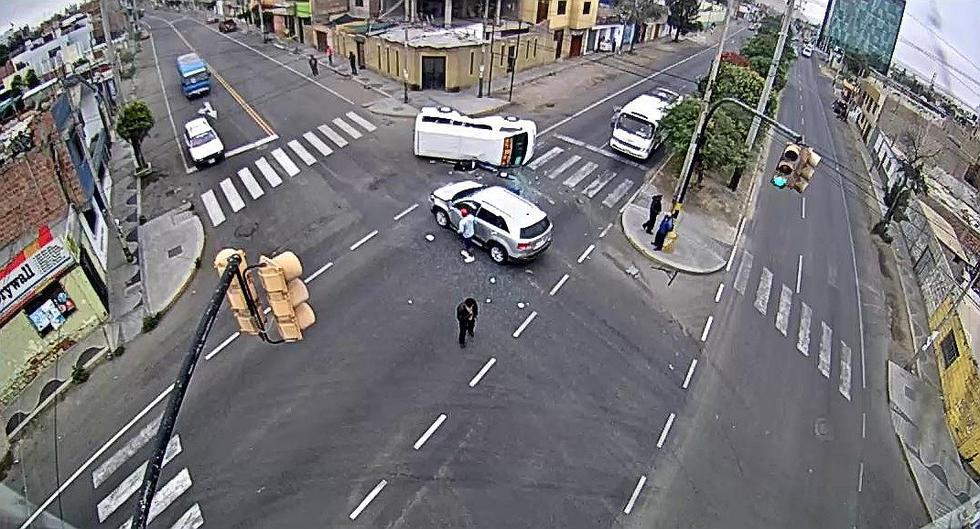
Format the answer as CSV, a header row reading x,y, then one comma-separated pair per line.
x,y
19,278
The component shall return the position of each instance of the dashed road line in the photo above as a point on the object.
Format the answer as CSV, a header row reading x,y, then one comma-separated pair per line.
x,y
523,326
803,208
363,240
586,253
558,285
707,327
605,230
432,429
666,430
319,271
845,371
368,499
860,476
742,276
222,345
721,288
636,493
406,211
799,273
483,371
690,373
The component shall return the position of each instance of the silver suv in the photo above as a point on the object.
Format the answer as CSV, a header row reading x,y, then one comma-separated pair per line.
x,y
508,226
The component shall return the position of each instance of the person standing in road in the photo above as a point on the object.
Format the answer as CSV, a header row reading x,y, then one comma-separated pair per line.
x,y
466,313
314,67
666,226
467,226
655,207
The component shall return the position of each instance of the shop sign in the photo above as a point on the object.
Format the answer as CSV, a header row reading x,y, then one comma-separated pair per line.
x,y
19,278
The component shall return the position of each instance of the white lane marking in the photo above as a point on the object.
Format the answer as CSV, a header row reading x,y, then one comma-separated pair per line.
x,y
234,199
616,194
365,124
132,482
803,338
572,160
363,240
98,453
165,496
317,143
580,174
799,273
666,430
406,211
605,230
527,321
782,313
586,253
742,276
845,371
319,271
368,499
432,429
707,327
738,235
762,292
331,135
721,288
301,151
483,371
803,208
268,172
690,373
636,493
860,476
600,182
543,159
222,345
604,152
213,208
823,363
864,423
132,446
344,126
192,519
558,285
166,102
285,162
254,145
250,183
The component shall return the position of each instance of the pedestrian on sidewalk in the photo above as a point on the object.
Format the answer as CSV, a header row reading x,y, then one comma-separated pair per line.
x,y
467,226
666,226
466,313
655,207
314,66
330,56
353,63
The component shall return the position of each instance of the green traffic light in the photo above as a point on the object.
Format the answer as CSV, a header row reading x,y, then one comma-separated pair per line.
x,y
779,181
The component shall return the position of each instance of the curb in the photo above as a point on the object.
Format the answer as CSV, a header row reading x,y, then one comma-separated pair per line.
x,y
657,258
199,226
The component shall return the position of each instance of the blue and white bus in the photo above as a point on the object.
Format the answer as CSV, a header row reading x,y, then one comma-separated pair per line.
x,y
194,76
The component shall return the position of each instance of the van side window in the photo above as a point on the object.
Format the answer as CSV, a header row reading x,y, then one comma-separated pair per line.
x,y
492,219
433,119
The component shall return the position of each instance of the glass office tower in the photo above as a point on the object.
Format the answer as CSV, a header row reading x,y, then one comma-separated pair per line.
x,y
866,27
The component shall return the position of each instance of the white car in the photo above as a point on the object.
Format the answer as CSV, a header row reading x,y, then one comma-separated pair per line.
x,y
807,50
203,142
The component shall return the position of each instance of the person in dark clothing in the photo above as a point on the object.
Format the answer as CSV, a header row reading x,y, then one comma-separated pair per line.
x,y
314,67
655,207
666,226
466,313
353,63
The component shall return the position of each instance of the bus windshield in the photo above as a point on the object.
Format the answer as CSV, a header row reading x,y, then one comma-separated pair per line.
x,y
635,126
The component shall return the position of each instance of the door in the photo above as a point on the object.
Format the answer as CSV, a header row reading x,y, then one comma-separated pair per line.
x,y
489,224
575,46
433,73
559,37
542,13
593,39
360,55
454,215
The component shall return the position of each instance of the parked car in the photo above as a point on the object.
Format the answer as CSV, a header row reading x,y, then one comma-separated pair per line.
x,y
509,227
227,26
807,50
203,143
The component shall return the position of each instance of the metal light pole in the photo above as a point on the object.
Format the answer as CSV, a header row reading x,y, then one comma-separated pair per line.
x,y
490,73
405,67
513,66
771,76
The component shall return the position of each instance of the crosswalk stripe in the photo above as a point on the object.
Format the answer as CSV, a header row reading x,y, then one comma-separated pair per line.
x,y
803,339
213,208
742,277
165,496
192,519
823,362
344,126
845,371
600,182
580,174
618,193
268,172
251,185
285,162
572,160
132,446
762,293
365,124
332,135
301,151
234,199
318,144
131,484
782,314
543,159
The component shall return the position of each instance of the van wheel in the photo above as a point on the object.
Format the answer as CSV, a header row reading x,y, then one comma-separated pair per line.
x,y
442,219
497,253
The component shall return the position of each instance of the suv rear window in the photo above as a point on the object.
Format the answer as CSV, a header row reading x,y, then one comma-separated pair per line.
x,y
536,229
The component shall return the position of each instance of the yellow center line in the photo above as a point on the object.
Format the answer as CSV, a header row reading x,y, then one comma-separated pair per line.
x,y
241,101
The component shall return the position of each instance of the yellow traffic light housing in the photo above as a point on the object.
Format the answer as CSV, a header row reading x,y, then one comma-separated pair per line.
x,y
790,160
286,294
805,170
248,323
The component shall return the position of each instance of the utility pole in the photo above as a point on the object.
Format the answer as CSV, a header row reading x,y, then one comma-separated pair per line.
x,y
405,66
513,65
496,21
261,21
777,55
483,45
111,52
490,73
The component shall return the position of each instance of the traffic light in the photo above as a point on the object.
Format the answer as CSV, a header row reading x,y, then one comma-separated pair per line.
x,y
286,294
779,181
789,161
248,323
805,169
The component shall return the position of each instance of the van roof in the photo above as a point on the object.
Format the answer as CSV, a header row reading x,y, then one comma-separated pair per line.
x,y
510,205
650,107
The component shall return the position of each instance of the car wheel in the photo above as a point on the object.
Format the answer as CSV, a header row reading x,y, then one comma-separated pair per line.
x,y
498,253
442,219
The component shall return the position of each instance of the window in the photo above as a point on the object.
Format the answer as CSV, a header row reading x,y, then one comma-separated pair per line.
x,y
562,7
535,46
527,50
587,8
948,347
397,65
502,55
472,60
536,229
492,219
379,57
469,205
49,309
388,59
358,3
433,119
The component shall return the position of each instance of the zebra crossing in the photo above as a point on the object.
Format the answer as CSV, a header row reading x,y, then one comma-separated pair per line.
x,y
822,334
576,172
227,199
120,499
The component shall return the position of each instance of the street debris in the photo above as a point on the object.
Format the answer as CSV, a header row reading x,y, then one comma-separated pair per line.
x,y
632,271
493,280
429,237
521,305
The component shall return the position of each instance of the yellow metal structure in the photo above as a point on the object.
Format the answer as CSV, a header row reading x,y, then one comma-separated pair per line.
x,y
286,294
236,297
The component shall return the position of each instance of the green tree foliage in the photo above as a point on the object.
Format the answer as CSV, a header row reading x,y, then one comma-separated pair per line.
x,y
31,79
683,16
134,124
4,53
759,50
724,141
17,85
736,82
638,11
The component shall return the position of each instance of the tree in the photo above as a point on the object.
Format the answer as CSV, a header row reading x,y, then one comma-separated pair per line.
x,y
637,12
735,82
17,85
682,15
759,50
4,53
724,136
917,149
735,58
31,79
135,122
